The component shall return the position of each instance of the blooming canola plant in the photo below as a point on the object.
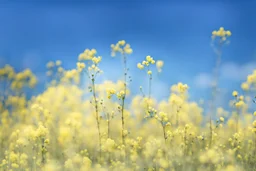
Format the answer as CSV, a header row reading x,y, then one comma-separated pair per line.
x,y
59,129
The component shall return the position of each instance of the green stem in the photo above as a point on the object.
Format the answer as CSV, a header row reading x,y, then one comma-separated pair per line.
x,y
164,132
108,126
43,152
254,144
123,120
97,113
210,131
237,121
124,96
149,87
185,142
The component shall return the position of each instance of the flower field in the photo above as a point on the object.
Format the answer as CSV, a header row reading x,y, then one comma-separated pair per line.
x,y
102,126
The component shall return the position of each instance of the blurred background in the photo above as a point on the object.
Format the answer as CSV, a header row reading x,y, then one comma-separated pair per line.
x,y
179,33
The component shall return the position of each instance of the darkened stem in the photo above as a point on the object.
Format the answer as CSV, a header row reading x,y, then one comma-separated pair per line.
x,y
124,96
165,137
149,86
97,113
43,152
237,121
108,126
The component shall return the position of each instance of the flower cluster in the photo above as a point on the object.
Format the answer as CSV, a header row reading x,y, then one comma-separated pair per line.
x,y
221,33
146,64
121,47
67,128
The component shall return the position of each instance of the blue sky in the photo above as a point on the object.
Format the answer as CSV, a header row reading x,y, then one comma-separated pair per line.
x,y
33,33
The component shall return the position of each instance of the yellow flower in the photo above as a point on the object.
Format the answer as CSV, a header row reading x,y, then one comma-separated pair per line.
x,y
110,92
239,156
149,58
250,78
254,123
214,33
120,94
149,72
128,51
116,48
109,145
58,63
159,65
245,86
121,47
93,51
80,66
47,141
125,132
144,62
87,54
239,104
140,66
15,165
222,33
60,69
235,93
96,60
221,119
228,33
50,64
121,42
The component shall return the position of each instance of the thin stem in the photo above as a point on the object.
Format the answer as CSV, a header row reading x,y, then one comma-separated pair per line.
x,y
237,121
177,118
123,120
97,113
215,86
164,132
149,86
124,96
185,142
255,144
210,131
108,125
43,152
237,116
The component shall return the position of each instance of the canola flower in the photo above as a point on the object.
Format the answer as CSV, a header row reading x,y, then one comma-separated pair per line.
x,y
219,39
124,49
92,72
68,128
147,64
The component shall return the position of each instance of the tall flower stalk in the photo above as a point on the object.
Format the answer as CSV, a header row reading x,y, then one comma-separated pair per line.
x,y
146,65
221,37
92,72
124,95
123,48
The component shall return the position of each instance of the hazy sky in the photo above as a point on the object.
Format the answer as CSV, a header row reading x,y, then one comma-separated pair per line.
x,y
178,33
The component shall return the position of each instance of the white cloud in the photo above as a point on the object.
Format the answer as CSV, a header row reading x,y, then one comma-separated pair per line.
x,y
229,71
237,72
203,80
160,90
